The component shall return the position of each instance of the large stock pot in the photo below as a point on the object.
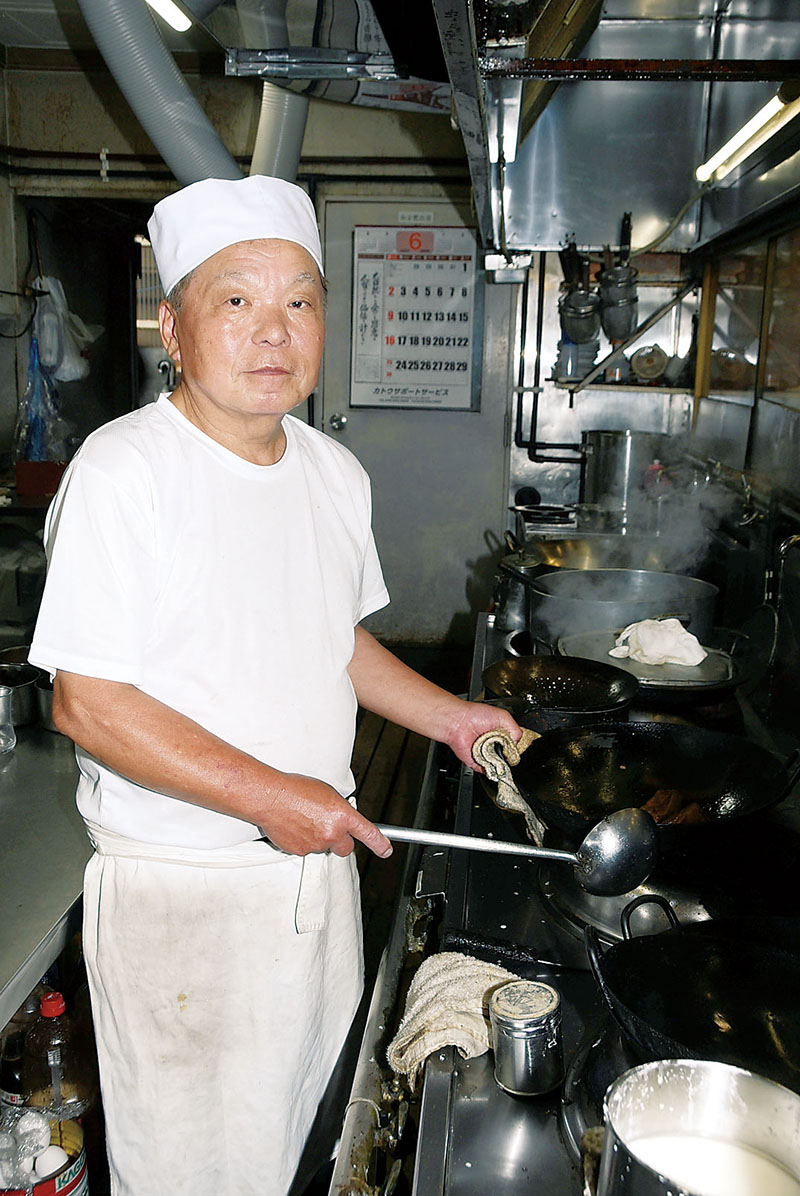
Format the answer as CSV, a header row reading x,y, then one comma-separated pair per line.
x,y
570,600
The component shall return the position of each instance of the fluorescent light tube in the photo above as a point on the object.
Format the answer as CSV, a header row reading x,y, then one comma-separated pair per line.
x,y
171,14
758,130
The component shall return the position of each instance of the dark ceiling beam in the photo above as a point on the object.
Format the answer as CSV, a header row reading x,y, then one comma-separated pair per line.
x,y
563,70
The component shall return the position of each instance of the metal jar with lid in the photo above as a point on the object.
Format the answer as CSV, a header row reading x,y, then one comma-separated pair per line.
x,y
525,1016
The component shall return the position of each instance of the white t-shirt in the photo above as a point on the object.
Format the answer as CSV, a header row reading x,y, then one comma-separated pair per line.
x,y
227,590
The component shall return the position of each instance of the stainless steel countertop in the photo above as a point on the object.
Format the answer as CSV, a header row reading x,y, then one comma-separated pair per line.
x,y
43,852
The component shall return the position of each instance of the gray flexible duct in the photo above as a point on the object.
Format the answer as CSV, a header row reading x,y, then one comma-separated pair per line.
x,y
147,76
283,114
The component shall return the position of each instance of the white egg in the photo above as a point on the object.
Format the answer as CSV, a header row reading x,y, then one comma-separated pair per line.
x,y
26,1164
33,1130
50,1161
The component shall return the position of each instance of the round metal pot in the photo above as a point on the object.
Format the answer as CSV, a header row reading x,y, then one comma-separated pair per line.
x,y
680,1127
616,463
662,554
21,680
570,600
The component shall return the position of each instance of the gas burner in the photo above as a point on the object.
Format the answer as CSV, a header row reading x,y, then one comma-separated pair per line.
x,y
601,1057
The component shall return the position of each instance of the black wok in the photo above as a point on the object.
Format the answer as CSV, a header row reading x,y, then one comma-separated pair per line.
x,y
553,692
726,990
573,778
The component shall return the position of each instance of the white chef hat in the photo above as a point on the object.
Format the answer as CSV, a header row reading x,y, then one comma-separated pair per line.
x,y
193,224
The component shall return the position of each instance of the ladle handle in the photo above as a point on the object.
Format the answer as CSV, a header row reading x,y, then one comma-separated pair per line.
x,y
409,834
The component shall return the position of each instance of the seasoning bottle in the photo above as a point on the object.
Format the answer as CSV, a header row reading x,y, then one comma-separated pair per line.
x,y
54,1069
11,1069
11,1051
525,1016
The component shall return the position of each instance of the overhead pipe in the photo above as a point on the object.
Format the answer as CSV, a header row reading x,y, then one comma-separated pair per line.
x,y
283,114
146,74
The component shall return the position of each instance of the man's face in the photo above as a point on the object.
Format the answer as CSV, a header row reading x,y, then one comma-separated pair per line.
x,y
250,330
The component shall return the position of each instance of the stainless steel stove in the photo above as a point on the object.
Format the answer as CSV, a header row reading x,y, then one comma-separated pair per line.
x,y
471,1136
529,917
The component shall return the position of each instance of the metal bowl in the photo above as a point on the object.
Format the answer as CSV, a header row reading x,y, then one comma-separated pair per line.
x,y
21,680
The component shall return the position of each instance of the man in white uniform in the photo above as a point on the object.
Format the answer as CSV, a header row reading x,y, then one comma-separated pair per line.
x,y
210,560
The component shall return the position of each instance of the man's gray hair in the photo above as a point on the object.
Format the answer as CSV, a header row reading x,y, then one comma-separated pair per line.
x,y
175,297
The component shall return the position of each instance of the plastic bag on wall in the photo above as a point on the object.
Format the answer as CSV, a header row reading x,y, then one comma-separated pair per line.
x,y
61,334
41,433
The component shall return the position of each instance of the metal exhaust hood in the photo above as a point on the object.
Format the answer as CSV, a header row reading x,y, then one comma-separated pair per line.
x,y
573,111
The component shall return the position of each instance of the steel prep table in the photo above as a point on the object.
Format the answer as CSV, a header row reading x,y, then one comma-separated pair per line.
x,y
43,852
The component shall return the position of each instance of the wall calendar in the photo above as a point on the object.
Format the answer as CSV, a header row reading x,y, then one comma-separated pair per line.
x,y
413,317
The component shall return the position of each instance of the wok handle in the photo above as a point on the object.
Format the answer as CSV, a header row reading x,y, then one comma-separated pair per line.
x,y
792,767
646,899
591,942
512,543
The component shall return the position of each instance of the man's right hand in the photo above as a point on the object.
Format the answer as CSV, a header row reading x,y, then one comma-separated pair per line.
x,y
307,816
158,747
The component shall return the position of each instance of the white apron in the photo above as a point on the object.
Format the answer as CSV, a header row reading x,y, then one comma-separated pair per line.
x,y
223,984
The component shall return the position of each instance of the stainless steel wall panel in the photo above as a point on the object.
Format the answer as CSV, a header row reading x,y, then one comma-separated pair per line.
x,y
721,431
776,446
603,148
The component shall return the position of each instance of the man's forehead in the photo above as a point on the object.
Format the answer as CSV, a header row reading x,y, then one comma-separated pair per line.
x,y
242,274
246,255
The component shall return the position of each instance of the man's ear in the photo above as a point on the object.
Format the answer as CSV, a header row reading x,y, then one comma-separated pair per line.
x,y
167,326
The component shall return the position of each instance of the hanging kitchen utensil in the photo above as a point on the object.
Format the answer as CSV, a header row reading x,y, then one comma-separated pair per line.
x,y
618,854
704,779
580,316
625,239
726,990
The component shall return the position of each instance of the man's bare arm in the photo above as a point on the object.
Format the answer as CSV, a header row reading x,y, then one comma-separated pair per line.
x,y
388,687
155,746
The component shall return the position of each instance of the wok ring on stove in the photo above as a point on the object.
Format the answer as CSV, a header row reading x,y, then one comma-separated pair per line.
x,y
574,777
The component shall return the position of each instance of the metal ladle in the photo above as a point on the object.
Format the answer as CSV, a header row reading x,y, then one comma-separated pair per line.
x,y
616,856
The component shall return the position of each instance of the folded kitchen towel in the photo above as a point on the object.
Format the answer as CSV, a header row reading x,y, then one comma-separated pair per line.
x,y
497,753
659,641
447,1005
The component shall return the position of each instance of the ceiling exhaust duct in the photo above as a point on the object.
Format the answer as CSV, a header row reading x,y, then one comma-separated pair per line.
x,y
145,71
283,114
